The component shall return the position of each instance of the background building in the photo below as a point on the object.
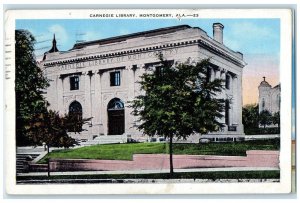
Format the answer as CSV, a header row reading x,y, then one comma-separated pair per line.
x,y
98,78
269,97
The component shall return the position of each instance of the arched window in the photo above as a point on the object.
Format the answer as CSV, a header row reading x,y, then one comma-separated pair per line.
x,y
263,104
115,104
75,117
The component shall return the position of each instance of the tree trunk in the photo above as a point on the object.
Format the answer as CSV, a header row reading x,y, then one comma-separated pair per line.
x,y
171,156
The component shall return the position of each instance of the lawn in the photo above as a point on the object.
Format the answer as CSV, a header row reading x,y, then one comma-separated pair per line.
x,y
125,151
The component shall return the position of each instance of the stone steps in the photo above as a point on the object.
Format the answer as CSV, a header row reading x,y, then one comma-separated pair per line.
x,y
109,139
20,158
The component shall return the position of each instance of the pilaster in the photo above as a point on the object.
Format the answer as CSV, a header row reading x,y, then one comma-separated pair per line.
x,y
60,96
223,94
239,105
235,100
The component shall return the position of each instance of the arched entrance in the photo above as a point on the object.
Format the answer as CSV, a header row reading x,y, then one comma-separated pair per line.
x,y
116,118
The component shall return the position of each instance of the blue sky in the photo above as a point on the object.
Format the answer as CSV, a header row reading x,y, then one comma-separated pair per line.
x,y
257,39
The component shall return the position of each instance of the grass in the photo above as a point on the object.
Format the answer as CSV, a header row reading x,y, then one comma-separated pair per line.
x,y
125,151
186,175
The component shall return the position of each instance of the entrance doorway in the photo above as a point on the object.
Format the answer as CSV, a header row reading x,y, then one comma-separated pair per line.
x,y
116,117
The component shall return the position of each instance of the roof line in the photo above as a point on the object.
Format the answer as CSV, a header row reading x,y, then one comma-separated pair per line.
x,y
130,36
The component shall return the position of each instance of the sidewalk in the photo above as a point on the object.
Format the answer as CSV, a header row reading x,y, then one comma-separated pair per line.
x,y
150,171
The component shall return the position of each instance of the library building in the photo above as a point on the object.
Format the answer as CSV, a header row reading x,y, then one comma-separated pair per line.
x,y
97,79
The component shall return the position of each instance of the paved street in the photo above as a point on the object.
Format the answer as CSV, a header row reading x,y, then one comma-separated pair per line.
x,y
151,171
62,180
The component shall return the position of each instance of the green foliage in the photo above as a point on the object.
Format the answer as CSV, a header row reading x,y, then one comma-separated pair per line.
x,y
29,85
250,117
179,101
74,122
276,119
126,151
265,118
34,123
50,127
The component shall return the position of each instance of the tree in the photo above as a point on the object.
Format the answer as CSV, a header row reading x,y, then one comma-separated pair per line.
x,y
74,122
250,117
29,85
276,119
179,100
52,129
265,118
36,124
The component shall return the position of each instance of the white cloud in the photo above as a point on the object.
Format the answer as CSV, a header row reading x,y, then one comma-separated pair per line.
x,y
60,33
44,39
91,35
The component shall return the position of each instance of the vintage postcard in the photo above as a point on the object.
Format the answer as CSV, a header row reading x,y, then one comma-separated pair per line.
x,y
148,101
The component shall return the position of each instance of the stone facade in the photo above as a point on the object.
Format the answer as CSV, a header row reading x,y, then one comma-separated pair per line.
x,y
269,97
100,77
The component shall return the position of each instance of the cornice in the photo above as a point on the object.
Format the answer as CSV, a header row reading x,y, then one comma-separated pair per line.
x,y
199,42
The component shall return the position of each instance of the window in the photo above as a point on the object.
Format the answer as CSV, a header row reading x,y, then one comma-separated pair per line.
x,y
208,76
227,82
159,71
74,83
115,79
227,107
134,67
75,117
263,104
115,104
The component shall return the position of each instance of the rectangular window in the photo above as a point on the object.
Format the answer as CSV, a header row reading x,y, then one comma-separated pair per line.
x,y
115,79
208,76
227,82
159,71
227,107
74,83
134,67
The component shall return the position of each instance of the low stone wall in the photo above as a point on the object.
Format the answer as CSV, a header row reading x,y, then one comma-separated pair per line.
x,y
38,167
254,158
